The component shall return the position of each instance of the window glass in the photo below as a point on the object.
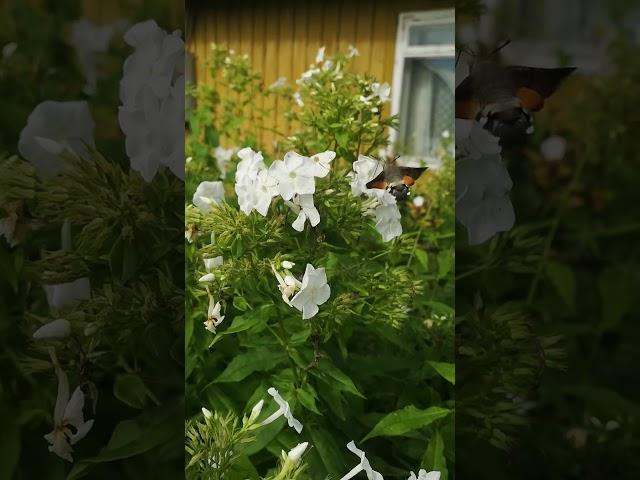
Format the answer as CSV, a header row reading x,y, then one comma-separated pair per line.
x,y
420,35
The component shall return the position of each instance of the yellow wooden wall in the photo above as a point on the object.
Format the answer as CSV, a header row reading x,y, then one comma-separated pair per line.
x,y
282,37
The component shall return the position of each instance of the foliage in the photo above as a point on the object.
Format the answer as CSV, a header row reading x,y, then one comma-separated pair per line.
x,y
545,312
386,326
99,221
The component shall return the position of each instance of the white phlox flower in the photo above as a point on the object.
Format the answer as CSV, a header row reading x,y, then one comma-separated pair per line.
x,y
483,206
388,222
320,55
296,452
206,412
53,128
364,465
320,162
553,148
254,186
381,91
67,415
208,194
308,74
314,291
284,410
55,329
152,95
279,83
211,264
287,283
60,295
352,52
294,175
9,49
365,169
298,99
213,315
423,475
418,201
303,206
223,155
90,39
475,141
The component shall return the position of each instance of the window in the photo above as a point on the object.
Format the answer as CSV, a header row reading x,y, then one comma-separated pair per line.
x,y
424,82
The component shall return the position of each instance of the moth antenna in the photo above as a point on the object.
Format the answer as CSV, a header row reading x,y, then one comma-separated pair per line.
x,y
500,47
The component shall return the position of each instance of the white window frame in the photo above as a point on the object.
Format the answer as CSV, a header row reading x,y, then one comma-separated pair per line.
x,y
404,51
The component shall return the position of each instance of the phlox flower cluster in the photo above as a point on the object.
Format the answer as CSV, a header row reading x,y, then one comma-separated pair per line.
x,y
380,204
152,95
483,183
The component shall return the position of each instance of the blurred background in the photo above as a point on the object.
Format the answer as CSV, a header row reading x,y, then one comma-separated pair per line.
x,y
547,334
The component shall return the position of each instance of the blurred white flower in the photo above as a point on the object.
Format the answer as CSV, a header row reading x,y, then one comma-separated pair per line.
x,y
352,52
55,329
287,264
296,452
388,221
213,263
67,413
298,99
365,169
209,277
62,294
53,127
553,148
154,132
284,410
157,60
483,205
89,39
306,210
446,134
206,412
473,140
287,284
423,475
307,75
320,55
294,175
328,65
418,201
9,49
223,155
208,194
314,291
382,91
213,315
364,465
280,82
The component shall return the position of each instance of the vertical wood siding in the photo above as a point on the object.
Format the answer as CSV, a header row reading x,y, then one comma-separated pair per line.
x,y
282,37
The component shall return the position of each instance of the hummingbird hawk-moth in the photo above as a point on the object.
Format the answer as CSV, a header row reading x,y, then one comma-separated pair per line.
x,y
506,96
396,179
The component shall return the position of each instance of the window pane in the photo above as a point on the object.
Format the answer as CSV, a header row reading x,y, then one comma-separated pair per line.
x,y
431,35
427,106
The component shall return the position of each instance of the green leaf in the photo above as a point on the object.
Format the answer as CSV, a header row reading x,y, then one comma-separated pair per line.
x,y
563,280
421,255
434,458
246,321
260,359
307,396
446,370
406,420
129,389
239,303
615,296
211,136
123,259
344,383
328,451
9,447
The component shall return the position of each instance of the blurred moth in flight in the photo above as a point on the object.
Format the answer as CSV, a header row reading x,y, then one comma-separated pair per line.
x,y
396,179
506,95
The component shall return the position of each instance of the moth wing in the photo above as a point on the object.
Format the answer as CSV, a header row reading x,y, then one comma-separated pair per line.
x,y
466,106
544,81
413,172
378,182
